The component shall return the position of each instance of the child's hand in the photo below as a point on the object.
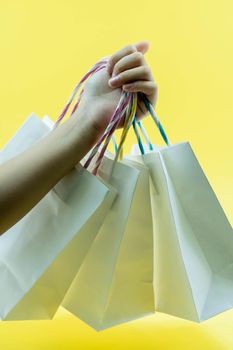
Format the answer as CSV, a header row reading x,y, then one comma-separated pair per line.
x,y
102,94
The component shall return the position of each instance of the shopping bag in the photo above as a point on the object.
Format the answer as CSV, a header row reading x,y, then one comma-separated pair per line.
x,y
72,210
115,281
193,239
36,298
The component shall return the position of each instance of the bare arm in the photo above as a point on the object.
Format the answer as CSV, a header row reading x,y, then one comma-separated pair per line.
x,y
26,178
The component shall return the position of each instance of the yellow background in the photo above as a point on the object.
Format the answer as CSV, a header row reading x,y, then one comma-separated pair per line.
x,y
45,48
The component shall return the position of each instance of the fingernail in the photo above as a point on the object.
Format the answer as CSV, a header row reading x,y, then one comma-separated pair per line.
x,y
113,80
129,86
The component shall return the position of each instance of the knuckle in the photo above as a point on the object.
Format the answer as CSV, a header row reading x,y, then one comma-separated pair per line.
x,y
139,57
130,48
110,61
153,84
152,87
117,69
146,70
122,76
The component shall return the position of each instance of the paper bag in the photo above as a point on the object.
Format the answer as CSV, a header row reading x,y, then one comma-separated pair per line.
x,y
193,239
31,246
115,281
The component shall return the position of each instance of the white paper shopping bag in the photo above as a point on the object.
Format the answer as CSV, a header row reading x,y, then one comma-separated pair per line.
x,y
193,240
30,247
46,295
115,281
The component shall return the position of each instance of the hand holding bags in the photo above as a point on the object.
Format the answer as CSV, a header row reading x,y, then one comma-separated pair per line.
x,y
165,244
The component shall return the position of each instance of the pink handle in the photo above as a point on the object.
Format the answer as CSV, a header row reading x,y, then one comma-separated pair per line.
x,y
115,119
98,66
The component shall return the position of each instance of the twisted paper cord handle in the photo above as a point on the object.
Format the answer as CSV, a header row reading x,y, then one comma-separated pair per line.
x,y
154,117
114,122
99,65
127,107
127,124
145,135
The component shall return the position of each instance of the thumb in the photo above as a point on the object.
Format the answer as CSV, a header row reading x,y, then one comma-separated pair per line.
x,y
142,46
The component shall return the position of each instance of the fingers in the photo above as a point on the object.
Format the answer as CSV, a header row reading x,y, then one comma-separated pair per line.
x,y
141,46
130,61
127,50
147,87
128,69
131,75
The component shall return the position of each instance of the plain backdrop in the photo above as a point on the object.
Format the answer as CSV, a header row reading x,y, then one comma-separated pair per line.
x,y
46,46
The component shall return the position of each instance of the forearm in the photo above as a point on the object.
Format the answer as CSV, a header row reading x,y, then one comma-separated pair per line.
x,y
26,178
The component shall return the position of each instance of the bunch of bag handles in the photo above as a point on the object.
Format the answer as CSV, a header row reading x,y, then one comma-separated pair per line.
x,y
126,109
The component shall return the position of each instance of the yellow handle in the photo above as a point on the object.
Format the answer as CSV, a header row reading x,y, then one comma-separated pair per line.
x,y
127,124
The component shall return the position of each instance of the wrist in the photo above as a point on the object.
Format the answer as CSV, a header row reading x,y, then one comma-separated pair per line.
x,y
76,136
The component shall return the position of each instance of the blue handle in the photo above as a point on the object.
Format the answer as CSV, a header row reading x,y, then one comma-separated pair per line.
x,y
154,117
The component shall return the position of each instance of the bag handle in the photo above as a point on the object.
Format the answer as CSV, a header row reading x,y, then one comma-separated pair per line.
x,y
145,135
127,106
151,110
121,109
95,68
114,121
130,113
133,121
127,124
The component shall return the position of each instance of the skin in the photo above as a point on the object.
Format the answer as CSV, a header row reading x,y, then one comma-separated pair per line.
x,y
39,168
